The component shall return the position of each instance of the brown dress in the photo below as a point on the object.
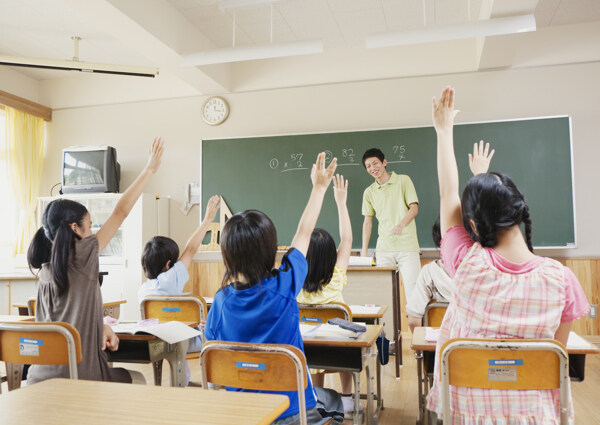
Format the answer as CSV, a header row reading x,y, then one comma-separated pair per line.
x,y
81,306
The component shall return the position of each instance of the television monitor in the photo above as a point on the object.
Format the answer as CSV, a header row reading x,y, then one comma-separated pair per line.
x,y
90,169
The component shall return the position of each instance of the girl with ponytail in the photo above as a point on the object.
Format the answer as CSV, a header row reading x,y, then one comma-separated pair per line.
x,y
65,252
501,289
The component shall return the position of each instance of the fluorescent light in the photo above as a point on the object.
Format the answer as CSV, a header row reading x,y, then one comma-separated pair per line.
x,y
498,26
234,4
68,65
245,53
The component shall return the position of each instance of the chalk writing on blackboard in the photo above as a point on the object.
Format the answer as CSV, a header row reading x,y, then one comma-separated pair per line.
x,y
398,155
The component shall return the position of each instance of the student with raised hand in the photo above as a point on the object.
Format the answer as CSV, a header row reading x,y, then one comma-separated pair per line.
x,y
66,253
327,274
501,289
256,303
167,272
434,283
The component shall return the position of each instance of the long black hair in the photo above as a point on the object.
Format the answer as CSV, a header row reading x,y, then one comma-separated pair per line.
x,y
55,239
248,245
494,203
321,257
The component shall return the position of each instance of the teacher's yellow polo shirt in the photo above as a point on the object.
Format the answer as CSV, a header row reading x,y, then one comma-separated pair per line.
x,y
389,203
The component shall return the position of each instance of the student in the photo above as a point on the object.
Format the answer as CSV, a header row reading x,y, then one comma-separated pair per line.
x,y
257,303
167,272
434,283
502,290
327,275
66,253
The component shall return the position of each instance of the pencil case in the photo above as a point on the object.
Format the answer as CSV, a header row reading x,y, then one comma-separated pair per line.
x,y
345,324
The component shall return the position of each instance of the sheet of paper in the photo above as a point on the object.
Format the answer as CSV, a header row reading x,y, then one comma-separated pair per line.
x,y
209,300
364,309
172,332
306,328
360,261
431,334
327,330
575,341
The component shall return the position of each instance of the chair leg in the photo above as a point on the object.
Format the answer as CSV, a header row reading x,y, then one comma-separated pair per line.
x,y
14,373
157,369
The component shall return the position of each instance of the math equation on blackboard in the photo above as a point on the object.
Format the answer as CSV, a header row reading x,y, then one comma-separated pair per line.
x,y
346,157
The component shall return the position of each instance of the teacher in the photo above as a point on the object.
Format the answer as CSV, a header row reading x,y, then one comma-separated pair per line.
x,y
393,200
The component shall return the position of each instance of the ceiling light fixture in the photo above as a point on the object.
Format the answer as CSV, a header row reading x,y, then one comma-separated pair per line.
x,y
491,27
246,53
77,65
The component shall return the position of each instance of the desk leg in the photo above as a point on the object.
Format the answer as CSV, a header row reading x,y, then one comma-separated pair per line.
x,y
367,358
420,384
176,358
397,320
356,415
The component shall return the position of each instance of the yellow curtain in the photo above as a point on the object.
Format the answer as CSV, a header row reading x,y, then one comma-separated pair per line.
x,y
24,154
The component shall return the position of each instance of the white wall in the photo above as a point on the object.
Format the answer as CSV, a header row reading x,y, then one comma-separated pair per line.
x,y
560,90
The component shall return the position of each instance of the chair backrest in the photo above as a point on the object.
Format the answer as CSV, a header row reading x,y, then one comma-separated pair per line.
x,y
44,343
510,364
321,313
434,313
260,367
31,306
184,308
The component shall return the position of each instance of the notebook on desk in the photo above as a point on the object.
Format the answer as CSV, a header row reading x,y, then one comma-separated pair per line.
x,y
171,332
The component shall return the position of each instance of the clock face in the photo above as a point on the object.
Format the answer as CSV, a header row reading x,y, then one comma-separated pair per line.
x,y
215,110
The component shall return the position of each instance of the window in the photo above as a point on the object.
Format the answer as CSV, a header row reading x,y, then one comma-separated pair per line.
x,y
9,211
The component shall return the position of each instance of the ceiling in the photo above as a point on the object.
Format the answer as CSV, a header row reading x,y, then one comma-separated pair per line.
x,y
158,32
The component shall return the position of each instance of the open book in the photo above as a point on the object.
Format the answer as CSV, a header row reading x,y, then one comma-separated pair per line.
x,y
171,332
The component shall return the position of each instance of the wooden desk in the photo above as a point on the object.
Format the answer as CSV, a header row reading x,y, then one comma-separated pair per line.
x,y
151,349
368,317
371,285
111,309
71,402
350,355
422,347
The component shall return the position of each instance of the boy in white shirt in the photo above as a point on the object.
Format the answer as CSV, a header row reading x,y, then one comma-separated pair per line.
x,y
167,273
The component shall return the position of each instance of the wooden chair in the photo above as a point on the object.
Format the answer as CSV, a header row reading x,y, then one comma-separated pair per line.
x,y
183,308
31,306
43,343
522,364
259,367
434,313
321,313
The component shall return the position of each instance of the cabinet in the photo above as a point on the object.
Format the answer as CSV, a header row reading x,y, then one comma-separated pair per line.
x,y
122,257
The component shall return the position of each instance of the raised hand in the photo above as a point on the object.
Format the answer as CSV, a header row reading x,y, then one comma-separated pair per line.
x,y
155,154
479,160
340,189
443,112
321,176
211,208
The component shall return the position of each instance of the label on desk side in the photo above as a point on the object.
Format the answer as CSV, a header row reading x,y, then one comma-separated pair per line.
x,y
248,365
505,362
311,319
171,310
502,374
29,346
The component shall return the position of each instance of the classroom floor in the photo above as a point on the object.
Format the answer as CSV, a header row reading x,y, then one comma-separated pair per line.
x,y
400,396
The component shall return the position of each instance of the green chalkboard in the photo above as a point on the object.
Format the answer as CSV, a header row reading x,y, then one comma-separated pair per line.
x,y
272,173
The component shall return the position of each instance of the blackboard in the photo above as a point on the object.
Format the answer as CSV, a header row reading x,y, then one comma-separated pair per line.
x,y
272,173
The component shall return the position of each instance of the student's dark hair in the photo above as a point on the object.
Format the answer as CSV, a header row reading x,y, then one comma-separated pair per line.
x,y
494,203
321,258
373,153
55,239
436,232
248,245
157,252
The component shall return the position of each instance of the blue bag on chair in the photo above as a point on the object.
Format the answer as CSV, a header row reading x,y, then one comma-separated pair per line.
x,y
383,349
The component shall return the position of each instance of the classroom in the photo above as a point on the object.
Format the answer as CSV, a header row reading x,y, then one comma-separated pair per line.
x,y
550,72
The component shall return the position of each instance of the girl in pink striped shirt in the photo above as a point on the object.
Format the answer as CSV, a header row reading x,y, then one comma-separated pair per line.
x,y
501,289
